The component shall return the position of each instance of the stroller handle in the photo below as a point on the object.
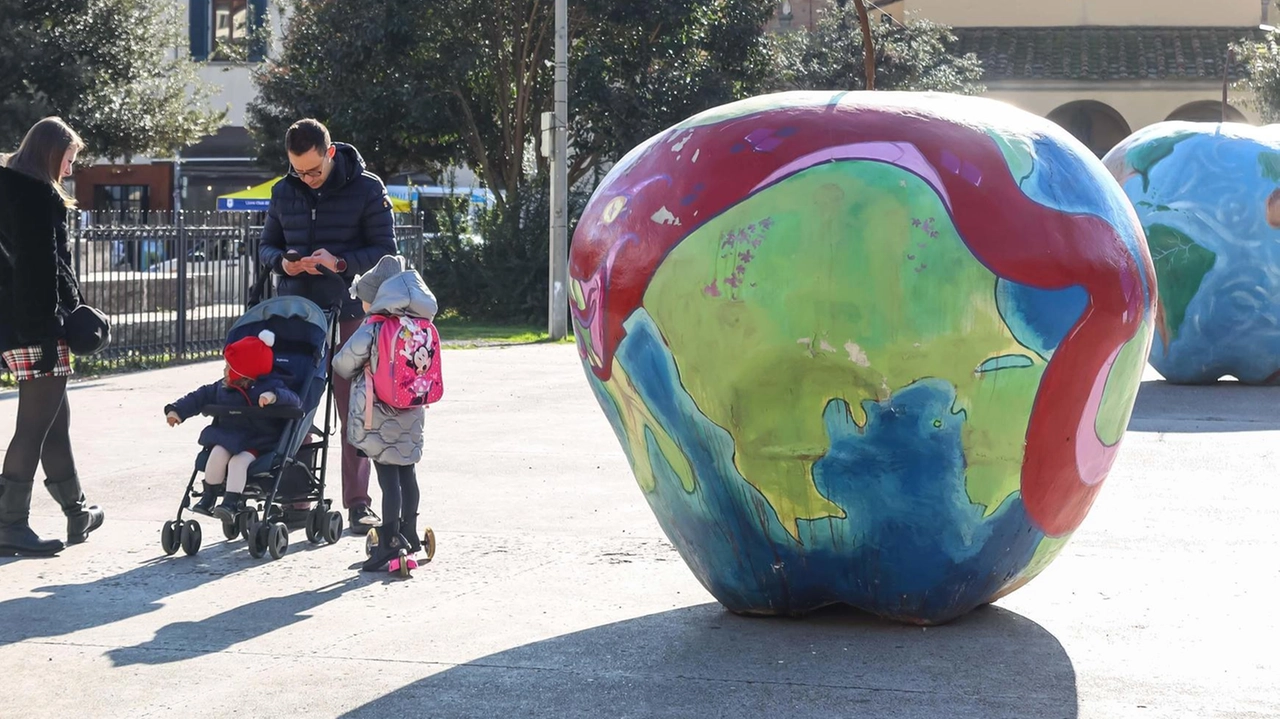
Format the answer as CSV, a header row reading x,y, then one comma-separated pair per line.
x,y
330,274
268,412
259,291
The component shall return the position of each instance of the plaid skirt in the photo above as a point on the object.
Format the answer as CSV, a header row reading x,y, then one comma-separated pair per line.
x,y
20,360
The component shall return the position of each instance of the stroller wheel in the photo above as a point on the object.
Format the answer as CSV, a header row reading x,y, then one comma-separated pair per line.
x,y
315,525
278,540
171,537
231,530
370,541
191,537
258,537
428,545
245,521
333,526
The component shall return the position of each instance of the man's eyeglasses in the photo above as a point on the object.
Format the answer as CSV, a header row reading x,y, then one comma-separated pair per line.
x,y
315,172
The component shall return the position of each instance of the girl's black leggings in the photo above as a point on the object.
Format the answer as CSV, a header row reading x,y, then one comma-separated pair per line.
x,y
399,495
42,435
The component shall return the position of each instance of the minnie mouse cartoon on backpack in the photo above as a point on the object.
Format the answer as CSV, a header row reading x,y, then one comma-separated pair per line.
x,y
400,344
420,348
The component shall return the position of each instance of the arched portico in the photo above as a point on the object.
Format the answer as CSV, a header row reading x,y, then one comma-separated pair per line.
x,y
1098,125
1206,111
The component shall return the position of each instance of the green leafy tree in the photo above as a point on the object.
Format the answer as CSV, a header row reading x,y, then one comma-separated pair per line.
x,y
415,85
1262,60
915,55
375,84
638,68
491,60
418,85
635,69
116,70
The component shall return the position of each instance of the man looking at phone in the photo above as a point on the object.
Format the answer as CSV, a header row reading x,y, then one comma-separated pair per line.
x,y
330,212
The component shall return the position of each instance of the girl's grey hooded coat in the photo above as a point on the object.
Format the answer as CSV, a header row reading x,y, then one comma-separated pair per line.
x,y
395,436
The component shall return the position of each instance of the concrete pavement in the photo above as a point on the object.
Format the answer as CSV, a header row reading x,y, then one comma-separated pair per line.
x,y
554,592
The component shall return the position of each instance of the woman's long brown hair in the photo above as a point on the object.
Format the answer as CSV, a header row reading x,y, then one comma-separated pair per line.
x,y
41,152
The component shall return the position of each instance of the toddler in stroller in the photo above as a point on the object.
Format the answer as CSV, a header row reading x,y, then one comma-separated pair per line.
x,y
258,447
235,440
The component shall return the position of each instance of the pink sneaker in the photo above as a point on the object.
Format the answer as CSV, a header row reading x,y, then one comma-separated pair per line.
x,y
410,562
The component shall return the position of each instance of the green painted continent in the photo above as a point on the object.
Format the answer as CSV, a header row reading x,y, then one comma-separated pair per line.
x,y
1181,265
846,281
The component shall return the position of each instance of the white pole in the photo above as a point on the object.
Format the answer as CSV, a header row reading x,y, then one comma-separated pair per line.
x,y
558,310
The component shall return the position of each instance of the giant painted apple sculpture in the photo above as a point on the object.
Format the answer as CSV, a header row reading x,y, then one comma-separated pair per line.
x,y
875,349
1208,196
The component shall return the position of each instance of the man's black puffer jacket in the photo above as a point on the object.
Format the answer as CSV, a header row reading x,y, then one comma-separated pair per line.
x,y
38,288
350,216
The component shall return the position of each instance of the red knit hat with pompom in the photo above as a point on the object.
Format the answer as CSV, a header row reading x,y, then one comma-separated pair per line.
x,y
251,357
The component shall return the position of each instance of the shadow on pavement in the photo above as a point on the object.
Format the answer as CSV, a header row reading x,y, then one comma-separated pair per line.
x,y
68,608
704,662
11,393
182,640
1220,407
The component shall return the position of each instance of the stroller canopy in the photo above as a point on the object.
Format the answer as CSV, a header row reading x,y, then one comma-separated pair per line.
x,y
301,331
286,307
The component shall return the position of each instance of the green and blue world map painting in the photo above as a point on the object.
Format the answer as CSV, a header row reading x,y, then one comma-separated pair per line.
x,y
872,349
1208,196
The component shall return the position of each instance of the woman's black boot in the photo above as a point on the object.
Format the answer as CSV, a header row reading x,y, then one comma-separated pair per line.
x,y
82,517
16,535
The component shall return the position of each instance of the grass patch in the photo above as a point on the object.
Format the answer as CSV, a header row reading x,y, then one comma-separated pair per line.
x,y
455,333
91,367
458,333
464,331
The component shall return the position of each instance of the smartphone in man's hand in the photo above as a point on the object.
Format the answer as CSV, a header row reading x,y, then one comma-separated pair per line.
x,y
292,263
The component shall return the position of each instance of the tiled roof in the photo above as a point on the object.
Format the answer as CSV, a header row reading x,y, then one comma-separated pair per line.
x,y
1103,53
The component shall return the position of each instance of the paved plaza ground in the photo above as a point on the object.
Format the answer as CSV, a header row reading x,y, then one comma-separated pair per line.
x,y
555,594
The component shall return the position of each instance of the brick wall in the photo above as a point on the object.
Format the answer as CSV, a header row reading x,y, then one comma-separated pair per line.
x,y
158,177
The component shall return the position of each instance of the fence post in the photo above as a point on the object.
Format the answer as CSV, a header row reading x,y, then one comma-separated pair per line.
x,y
248,259
77,225
181,246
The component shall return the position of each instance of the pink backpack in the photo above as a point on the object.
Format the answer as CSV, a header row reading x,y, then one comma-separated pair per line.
x,y
408,371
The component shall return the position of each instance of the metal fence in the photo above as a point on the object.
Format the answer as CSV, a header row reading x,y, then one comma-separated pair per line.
x,y
172,283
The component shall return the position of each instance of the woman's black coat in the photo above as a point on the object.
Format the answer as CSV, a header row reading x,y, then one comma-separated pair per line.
x,y
38,287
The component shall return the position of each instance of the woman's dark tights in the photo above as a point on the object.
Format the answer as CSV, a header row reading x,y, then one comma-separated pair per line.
x,y
399,496
43,432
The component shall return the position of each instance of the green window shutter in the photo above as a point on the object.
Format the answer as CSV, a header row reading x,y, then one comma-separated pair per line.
x,y
198,27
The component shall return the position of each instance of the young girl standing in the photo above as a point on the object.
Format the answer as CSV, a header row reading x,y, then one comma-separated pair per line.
x,y
390,437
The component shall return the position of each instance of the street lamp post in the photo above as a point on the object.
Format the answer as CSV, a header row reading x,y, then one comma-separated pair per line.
x,y
558,301
1226,71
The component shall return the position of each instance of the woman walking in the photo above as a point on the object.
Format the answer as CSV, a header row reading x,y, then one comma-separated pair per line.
x,y
37,291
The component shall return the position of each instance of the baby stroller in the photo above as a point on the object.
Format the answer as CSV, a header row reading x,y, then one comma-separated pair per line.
x,y
294,473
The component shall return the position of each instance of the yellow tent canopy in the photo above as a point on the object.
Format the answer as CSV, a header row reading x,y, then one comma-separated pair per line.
x,y
258,197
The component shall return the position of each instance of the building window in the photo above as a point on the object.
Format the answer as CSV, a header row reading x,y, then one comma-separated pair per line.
x,y
230,23
131,199
222,29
